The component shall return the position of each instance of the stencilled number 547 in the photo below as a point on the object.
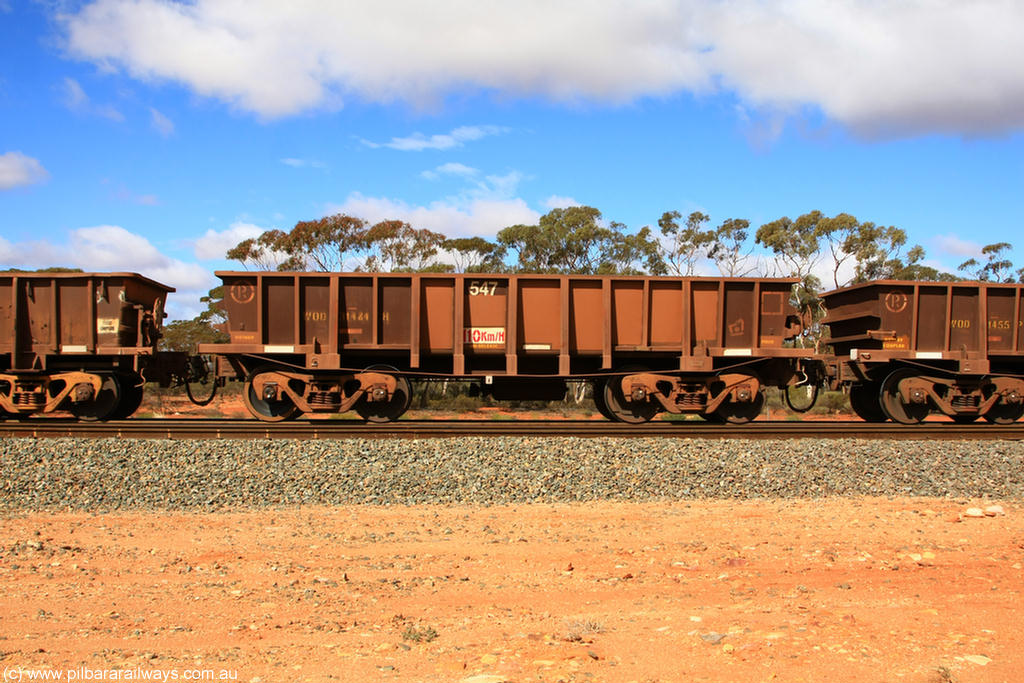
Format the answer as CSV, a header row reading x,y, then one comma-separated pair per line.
x,y
482,287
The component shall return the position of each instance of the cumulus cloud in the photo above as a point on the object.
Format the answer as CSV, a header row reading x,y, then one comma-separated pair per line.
x,y
108,248
878,66
953,245
18,170
213,245
112,248
456,217
559,202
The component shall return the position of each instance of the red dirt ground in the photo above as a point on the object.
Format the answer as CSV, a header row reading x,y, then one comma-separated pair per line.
x,y
825,590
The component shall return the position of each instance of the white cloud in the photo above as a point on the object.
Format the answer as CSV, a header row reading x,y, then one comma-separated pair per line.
x,y
452,217
161,124
879,66
303,163
450,169
111,248
76,99
417,142
558,202
17,170
952,245
214,244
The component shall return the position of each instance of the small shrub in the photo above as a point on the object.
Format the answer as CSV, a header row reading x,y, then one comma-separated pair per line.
x,y
419,635
576,629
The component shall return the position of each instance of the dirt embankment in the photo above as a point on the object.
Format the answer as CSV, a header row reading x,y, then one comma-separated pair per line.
x,y
835,589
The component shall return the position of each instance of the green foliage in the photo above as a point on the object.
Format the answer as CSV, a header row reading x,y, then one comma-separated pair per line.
x,y
395,246
727,250
996,268
186,335
574,240
832,403
688,243
475,255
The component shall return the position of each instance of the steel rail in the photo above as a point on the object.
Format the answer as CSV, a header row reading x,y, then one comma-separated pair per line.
x,y
212,428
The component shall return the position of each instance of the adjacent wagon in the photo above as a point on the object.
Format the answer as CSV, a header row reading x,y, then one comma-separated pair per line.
x,y
907,349
333,342
82,342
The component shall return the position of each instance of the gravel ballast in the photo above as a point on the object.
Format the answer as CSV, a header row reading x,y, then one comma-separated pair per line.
x,y
125,474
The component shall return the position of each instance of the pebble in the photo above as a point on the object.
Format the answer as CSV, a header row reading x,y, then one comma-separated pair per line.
x,y
124,474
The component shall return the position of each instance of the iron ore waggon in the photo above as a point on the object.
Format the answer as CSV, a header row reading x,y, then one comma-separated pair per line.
x,y
81,342
907,349
333,342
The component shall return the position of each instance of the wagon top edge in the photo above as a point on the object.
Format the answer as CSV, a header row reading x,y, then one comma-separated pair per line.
x,y
81,276
975,284
477,276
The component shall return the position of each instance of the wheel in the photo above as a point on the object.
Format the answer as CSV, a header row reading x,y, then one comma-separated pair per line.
x,y
386,411
103,405
892,402
5,388
865,403
268,411
621,410
742,412
713,418
602,407
736,412
1004,413
130,385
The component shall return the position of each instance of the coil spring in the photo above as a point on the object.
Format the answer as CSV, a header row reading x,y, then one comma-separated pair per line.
x,y
966,401
29,399
324,398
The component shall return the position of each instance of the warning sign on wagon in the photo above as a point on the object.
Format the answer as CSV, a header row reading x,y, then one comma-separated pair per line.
x,y
484,336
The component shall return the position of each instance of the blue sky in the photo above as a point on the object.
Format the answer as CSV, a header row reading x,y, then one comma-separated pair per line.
x,y
149,135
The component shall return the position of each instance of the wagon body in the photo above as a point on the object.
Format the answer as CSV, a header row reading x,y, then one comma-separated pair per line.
x,y
524,335
467,324
966,326
67,338
952,346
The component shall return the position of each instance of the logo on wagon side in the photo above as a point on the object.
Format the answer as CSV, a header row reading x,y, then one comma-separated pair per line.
x,y
242,293
896,301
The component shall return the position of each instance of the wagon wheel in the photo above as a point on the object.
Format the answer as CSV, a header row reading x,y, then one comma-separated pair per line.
x,y
1004,413
621,410
386,411
275,410
892,402
740,412
865,403
103,405
130,384
597,387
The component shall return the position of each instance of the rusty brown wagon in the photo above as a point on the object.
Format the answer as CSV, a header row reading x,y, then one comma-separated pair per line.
x,y
333,342
81,342
907,349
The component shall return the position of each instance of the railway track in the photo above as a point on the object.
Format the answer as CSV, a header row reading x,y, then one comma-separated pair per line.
x,y
169,428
